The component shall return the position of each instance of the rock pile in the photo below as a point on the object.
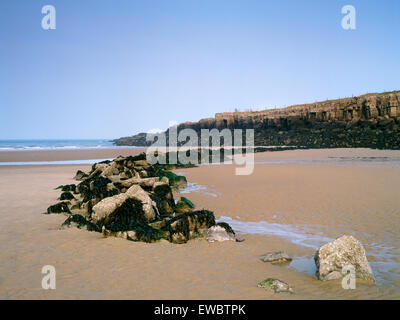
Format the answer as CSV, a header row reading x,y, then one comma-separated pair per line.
x,y
130,198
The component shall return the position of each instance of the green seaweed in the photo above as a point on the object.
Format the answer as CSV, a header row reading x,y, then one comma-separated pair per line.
x,y
226,226
187,202
60,207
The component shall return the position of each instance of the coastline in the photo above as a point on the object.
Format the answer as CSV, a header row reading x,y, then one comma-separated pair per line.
x,y
309,200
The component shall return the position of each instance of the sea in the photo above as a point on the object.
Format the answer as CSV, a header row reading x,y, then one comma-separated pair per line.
x,y
30,145
64,144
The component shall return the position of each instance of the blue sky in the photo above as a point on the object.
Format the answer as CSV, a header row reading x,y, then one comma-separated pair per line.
x,y
116,68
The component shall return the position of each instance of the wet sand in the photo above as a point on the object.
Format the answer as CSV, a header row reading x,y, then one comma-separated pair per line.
x,y
65,155
285,206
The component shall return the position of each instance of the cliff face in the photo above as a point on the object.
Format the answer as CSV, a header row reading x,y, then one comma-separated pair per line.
x,y
370,120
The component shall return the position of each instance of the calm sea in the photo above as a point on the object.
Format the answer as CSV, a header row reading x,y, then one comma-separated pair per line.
x,y
12,145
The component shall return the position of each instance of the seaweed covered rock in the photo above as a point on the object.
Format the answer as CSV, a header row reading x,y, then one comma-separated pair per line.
x,y
130,198
96,187
275,285
176,181
78,221
149,206
184,227
68,187
162,196
60,207
80,175
123,209
184,205
135,232
66,196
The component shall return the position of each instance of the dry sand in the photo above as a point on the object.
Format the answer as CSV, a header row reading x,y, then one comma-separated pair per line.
x,y
304,203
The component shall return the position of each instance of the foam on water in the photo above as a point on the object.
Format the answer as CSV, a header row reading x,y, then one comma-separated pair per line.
x,y
287,232
63,144
194,187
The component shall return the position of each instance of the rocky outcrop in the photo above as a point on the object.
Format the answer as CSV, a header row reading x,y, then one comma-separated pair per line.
x,y
332,257
370,120
131,199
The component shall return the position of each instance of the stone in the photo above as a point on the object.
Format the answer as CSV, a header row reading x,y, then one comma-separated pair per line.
x,y
80,175
159,224
76,205
183,206
275,285
164,199
174,180
218,233
149,206
61,207
148,182
110,171
106,207
184,227
333,256
78,221
142,164
179,182
137,232
96,187
135,205
66,196
276,257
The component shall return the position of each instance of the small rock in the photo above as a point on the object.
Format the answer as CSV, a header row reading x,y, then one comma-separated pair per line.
x,y
218,233
66,196
183,206
60,207
78,221
137,232
275,285
80,175
276,257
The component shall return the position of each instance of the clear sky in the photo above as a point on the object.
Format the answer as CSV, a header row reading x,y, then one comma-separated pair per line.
x,y
116,68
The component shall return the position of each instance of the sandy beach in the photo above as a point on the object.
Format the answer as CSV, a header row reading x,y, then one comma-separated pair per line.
x,y
66,155
294,201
